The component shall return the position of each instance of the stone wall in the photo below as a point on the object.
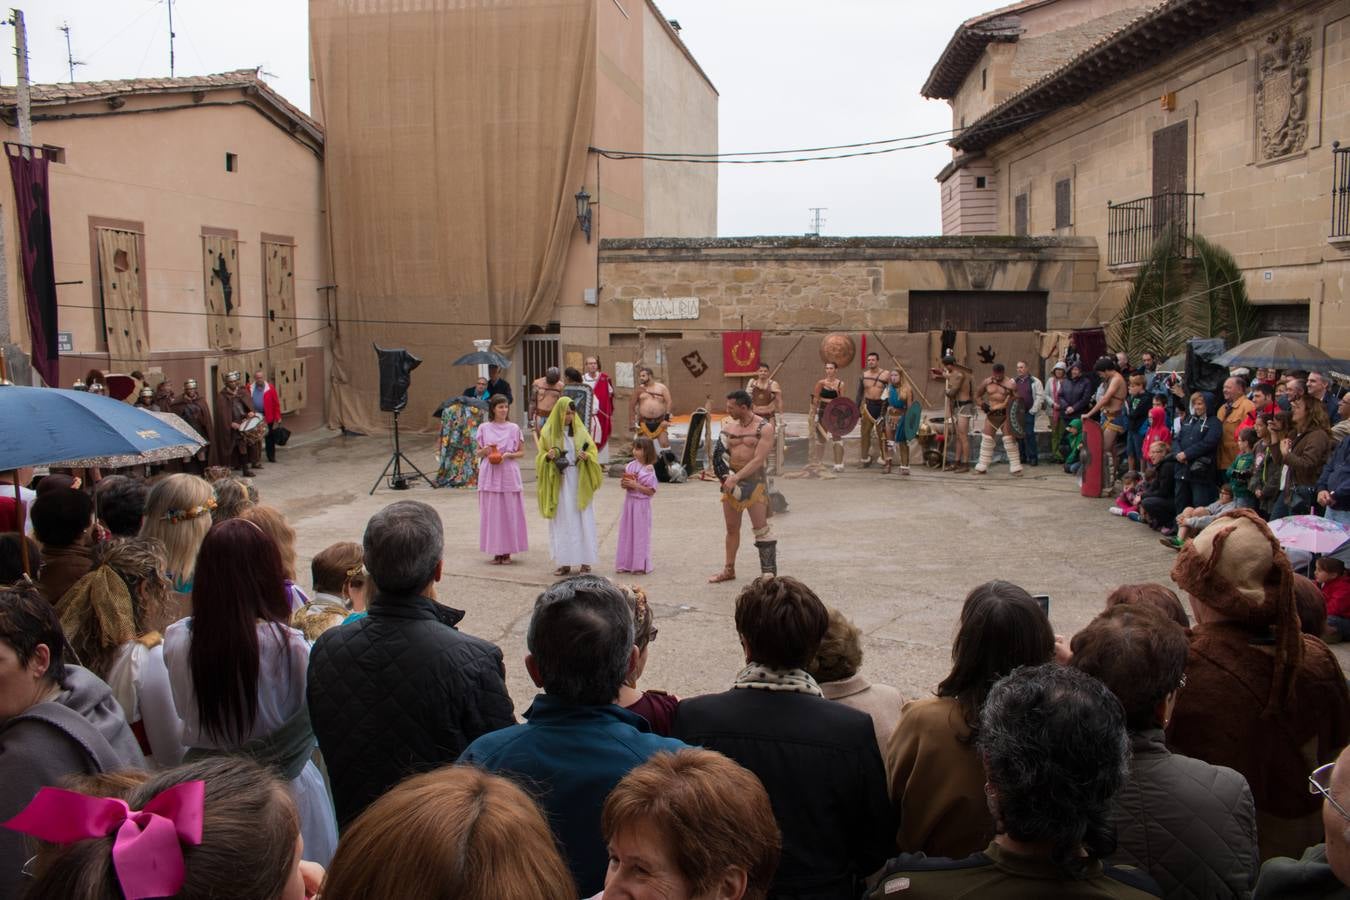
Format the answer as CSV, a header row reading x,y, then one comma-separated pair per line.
x,y
835,283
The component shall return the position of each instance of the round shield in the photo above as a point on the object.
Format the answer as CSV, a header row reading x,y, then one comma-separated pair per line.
x,y
1017,418
840,417
837,348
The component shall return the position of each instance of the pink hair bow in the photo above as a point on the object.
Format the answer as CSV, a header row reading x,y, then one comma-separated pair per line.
x,y
147,851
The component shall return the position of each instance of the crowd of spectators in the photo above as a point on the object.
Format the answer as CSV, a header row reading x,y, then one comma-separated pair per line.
x,y
183,719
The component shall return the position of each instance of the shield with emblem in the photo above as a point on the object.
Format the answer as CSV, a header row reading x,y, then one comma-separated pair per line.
x,y
1276,100
840,417
837,348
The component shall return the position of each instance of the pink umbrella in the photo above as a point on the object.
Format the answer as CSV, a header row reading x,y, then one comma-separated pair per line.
x,y
1311,533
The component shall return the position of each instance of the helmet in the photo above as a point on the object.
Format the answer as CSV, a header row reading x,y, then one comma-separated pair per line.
x,y
190,384
79,385
147,393
232,376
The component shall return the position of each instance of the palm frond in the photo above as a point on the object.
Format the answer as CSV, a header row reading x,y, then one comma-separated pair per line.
x,y
1219,306
1150,317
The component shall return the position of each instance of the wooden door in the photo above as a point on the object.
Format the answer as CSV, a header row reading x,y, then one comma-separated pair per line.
x,y
1169,176
119,271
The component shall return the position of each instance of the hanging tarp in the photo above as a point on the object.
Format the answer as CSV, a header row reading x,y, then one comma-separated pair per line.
x,y
119,273
220,268
456,137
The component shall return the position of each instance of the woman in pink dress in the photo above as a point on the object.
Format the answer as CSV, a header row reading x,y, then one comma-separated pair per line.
x,y
501,506
635,525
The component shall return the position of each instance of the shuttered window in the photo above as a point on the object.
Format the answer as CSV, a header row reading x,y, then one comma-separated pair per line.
x,y
1020,215
1063,203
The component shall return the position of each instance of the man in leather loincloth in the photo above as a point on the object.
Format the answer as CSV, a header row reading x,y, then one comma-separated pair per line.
x,y
871,399
1110,406
995,397
740,460
766,401
651,412
960,410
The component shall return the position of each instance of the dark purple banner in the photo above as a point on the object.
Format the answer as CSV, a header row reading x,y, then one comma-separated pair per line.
x,y
28,167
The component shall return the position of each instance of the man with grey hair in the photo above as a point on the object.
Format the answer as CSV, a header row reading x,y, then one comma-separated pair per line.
x,y
576,744
401,691
1055,751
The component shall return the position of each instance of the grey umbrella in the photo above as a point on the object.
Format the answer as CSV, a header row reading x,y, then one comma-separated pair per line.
x,y
482,358
1278,352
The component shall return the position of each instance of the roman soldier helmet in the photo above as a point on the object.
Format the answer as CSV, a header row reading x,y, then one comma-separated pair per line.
x,y
147,393
190,384
79,385
96,387
232,377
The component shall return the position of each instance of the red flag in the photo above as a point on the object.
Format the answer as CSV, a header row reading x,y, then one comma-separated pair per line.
x,y
740,352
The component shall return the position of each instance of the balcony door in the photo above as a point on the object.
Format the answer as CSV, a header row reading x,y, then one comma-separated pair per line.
x,y
1169,176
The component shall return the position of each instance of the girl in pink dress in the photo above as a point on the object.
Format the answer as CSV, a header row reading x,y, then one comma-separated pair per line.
x,y
635,525
501,506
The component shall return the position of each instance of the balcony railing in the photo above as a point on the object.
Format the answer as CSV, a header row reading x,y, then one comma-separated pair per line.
x,y
1340,192
1132,228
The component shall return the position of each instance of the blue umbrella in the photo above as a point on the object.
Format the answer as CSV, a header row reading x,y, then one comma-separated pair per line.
x,y
46,425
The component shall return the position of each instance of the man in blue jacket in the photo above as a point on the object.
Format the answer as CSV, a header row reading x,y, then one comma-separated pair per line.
x,y
575,745
1333,486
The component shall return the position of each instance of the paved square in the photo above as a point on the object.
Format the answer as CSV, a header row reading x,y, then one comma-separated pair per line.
x,y
897,555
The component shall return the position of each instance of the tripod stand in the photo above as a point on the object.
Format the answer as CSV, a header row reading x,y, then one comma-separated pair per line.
x,y
397,480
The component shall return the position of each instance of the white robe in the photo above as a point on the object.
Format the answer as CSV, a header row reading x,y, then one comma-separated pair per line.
x,y
571,532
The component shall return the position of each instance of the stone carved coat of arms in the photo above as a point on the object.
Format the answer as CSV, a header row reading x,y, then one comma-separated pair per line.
x,y
1282,92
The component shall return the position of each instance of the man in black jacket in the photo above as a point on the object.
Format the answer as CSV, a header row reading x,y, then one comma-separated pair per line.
x,y
401,691
817,759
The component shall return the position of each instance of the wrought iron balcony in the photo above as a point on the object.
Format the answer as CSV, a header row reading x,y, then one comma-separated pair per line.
x,y
1340,192
1133,227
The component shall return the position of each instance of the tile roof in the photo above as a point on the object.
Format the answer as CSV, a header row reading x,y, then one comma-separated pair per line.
x,y
971,37
84,91
1139,44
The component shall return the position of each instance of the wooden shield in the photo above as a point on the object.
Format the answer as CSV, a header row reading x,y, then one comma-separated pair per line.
x,y
838,349
840,417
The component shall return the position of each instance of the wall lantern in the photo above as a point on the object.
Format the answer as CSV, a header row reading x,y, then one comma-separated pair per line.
x,y
584,212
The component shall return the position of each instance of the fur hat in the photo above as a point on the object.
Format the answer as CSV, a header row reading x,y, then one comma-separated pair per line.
x,y
1237,568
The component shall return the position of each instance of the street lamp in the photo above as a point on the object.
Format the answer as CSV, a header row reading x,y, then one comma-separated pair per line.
x,y
584,212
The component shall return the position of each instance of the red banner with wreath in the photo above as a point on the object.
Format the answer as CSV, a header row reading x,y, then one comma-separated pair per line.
x,y
740,352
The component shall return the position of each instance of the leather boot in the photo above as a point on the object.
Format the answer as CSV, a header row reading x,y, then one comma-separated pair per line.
x,y
768,557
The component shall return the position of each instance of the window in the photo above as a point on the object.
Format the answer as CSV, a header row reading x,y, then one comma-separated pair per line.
x,y
963,121
981,182
1063,203
984,79
54,154
1288,319
1020,215
231,162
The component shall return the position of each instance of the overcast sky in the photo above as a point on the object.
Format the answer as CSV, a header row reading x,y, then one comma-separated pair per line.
x,y
790,73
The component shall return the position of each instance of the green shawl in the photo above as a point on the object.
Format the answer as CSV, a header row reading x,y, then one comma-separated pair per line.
x,y
548,480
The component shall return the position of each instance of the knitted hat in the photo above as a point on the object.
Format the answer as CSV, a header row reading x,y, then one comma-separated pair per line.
x,y
1236,568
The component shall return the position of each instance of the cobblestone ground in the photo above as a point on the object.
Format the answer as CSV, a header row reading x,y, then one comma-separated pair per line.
x,y
897,555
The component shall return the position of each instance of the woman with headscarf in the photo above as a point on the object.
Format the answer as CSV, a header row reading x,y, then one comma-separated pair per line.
x,y
114,618
567,477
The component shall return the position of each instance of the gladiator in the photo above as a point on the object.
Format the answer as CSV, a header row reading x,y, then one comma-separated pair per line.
x,y
1110,410
995,397
740,458
827,388
871,399
766,401
651,412
960,409
544,393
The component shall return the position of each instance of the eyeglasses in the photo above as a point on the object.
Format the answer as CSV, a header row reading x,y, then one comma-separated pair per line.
x,y
1319,782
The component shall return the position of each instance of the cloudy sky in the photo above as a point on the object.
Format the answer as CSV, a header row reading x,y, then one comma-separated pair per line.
x,y
790,73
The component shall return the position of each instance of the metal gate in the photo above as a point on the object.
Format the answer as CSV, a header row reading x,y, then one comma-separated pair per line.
x,y
537,353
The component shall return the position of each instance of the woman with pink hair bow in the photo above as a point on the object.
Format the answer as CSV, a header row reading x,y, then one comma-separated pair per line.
x,y
220,827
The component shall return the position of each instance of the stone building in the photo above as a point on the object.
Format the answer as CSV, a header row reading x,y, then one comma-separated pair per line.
x,y
1102,120
197,202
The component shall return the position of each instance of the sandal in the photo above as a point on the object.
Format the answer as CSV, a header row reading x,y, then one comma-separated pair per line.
x,y
727,574
562,570
507,560
497,560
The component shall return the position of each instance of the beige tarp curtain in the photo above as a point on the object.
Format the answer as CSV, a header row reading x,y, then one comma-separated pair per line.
x,y
456,137
119,271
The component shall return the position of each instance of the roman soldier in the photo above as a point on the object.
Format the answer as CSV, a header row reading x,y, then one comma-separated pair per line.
x,y
190,406
233,447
